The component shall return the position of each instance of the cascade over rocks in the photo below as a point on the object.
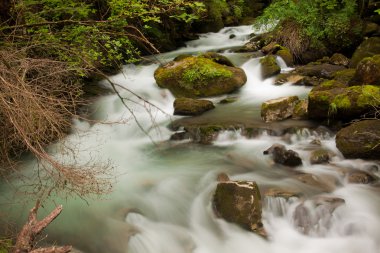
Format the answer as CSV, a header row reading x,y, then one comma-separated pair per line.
x,y
191,107
199,77
239,202
360,140
283,156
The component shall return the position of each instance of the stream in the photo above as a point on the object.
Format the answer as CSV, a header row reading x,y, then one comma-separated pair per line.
x,y
161,200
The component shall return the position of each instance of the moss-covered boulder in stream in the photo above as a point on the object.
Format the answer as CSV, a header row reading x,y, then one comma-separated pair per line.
x,y
286,55
342,102
199,77
191,107
368,48
239,202
360,140
367,71
269,66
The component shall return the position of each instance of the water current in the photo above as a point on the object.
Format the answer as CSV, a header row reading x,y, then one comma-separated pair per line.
x,y
161,201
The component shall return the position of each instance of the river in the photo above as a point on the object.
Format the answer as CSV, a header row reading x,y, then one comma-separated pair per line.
x,y
161,200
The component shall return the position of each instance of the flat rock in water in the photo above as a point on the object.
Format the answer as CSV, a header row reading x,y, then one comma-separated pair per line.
x,y
191,107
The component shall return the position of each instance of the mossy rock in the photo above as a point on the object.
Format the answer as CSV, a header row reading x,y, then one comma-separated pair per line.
x,y
367,48
199,77
360,140
289,78
343,103
286,55
319,70
271,48
191,107
300,110
278,109
239,202
339,59
182,56
269,66
257,42
329,84
344,76
367,71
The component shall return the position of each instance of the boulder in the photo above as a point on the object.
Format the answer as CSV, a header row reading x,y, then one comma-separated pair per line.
x,y
199,77
286,55
343,103
370,28
229,100
239,202
360,140
323,70
367,72
278,109
281,193
360,177
367,48
300,110
191,107
269,66
283,156
319,156
339,59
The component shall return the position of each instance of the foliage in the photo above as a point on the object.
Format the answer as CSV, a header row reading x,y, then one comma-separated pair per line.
x,y
78,33
5,245
318,21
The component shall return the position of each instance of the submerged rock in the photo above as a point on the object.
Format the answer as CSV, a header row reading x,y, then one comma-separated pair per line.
x,y
360,140
283,156
360,177
199,77
315,216
368,48
239,202
278,109
320,156
269,66
191,107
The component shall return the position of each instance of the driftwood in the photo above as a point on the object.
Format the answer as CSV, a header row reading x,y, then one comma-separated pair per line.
x,y
26,238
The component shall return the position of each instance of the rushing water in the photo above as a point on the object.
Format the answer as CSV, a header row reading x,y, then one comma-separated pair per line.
x,y
161,201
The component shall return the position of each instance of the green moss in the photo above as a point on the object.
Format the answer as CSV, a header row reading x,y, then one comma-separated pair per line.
x,y
369,95
203,71
342,101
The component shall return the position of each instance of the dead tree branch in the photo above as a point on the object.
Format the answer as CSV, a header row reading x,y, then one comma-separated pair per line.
x,y
25,242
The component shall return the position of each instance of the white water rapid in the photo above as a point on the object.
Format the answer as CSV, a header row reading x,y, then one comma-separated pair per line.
x,y
161,201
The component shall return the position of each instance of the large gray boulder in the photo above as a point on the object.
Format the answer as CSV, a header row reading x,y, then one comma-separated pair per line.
x,y
239,202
